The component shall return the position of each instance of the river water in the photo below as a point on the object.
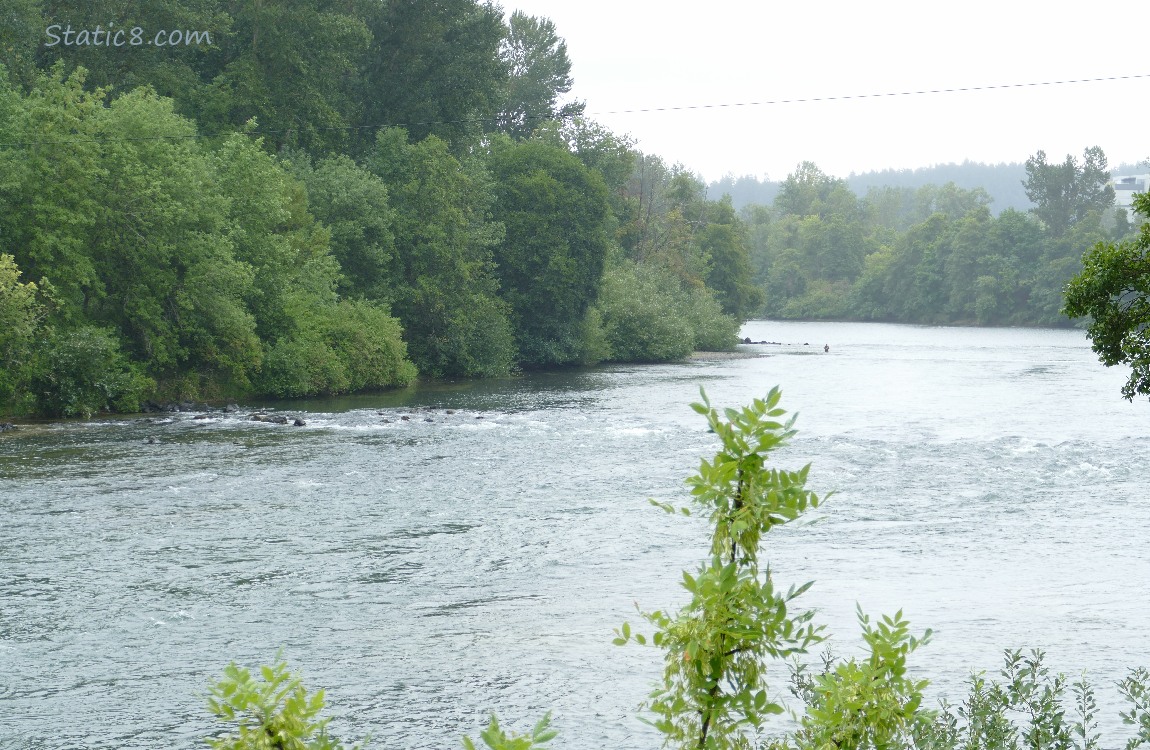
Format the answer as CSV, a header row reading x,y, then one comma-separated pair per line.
x,y
429,571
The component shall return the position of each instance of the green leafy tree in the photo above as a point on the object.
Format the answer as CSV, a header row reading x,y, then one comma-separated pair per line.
x,y
444,288
273,232
551,259
1113,288
539,74
1068,193
914,284
168,278
20,38
814,246
49,194
21,320
434,68
129,226
730,275
714,690
600,150
352,203
181,71
291,66
809,192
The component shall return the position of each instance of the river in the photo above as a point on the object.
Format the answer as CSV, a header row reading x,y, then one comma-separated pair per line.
x,y
991,483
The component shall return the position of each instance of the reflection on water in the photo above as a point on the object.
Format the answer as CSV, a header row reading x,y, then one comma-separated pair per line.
x,y
475,556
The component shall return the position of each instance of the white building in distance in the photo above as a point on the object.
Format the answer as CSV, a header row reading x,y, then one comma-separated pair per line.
x,y
1126,186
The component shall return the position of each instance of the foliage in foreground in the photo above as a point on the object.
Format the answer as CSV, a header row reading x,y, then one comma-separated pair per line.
x,y
274,713
496,739
867,703
714,692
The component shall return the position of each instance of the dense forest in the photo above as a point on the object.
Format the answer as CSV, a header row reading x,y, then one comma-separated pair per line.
x,y
311,197
328,198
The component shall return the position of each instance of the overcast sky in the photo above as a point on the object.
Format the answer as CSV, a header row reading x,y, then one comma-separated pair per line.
x,y
634,55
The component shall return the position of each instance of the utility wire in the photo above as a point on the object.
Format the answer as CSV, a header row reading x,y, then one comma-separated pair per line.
x,y
685,107
845,97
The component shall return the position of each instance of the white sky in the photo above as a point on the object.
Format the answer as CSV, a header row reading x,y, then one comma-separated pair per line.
x,y
632,55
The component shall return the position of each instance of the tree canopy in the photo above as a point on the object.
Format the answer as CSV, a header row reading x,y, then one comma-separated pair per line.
x,y
1113,288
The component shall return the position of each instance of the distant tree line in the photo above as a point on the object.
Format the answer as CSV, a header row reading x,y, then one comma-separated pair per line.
x,y
1003,182
330,197
934,255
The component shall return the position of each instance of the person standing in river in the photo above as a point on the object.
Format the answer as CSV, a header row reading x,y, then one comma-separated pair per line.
x,y
827,348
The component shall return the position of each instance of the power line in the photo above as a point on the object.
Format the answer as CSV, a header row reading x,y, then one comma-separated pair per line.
x,y
685,107
845,97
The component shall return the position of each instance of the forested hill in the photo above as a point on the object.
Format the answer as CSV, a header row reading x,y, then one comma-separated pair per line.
x,y
1003,182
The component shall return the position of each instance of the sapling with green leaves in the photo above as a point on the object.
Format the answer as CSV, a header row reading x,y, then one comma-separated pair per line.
x,y
496,739
1136,689
714,693
274,713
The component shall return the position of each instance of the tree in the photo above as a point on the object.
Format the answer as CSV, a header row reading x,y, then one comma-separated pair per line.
x,y
443,282
724,242
539,73
551,260
168,279
19,38
182,71
290,66
352,203
21,315
808,191
1067,193
1114,290
129,226
599,149
433,68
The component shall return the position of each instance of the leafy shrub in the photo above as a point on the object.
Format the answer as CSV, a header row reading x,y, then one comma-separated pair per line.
x,y
349,347
474,339
641,309
273,714
594,346
713,330
873,705
82,371
869,703
823,300
367,342
496,739
303,366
